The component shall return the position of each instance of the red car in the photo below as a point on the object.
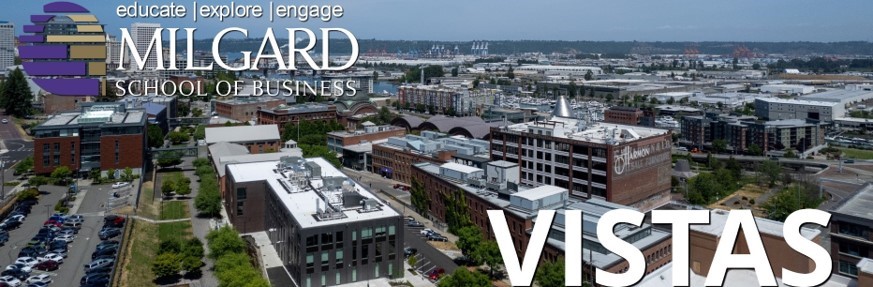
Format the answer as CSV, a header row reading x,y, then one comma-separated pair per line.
x,y
436,274
47,265
53,222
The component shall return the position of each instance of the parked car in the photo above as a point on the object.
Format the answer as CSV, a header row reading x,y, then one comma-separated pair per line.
x,y
425,232
414,224
409,251
95,279
65,238
437,237
19,266
41,278
109,233
10,225
120,184
11,281
107,244
17,217
29,261
72,225
67,231
52,257
103,270
28,252
104,252
436,273
464,261
4,237
47,266
21,275
99,263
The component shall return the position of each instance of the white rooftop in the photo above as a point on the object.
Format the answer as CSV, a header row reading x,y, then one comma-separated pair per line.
x,y
718,219
242,134
798,102
596,132
540,192
460,168
304,205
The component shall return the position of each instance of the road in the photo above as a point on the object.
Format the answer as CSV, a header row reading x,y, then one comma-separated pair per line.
x,y
79,251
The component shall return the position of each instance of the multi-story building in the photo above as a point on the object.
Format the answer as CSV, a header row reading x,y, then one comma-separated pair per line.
x,y
394,158
258,139
740,133
246,109
800,135
284,114
100,136
782,109
142,34
327,229
442,99
363,83
628,165
7,45
371,133
496,188
623,115
851,232
113,53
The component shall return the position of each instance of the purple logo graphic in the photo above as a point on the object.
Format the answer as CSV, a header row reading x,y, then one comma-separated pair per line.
x,y
65,51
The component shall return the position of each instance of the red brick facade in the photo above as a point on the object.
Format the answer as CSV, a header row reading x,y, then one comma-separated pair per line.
x,y
50,153
128,154
621,115
397,164
245,111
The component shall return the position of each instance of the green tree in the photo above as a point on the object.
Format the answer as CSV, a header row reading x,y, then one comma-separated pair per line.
x,y
469,238
223,241
28,194
455,72
167,159
37,181
755,150
61,173
418,197
589,75
551,273
609,97
166,264
200,132
196,112
466,278
110,173
168,186
183,184
771,170
183,108
155,136
128,174
24,166
791,199
178,137
16,98
489,253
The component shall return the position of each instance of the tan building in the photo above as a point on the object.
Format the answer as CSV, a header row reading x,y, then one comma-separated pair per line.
x,y
257,139
623,115
370,133
284,114
245,109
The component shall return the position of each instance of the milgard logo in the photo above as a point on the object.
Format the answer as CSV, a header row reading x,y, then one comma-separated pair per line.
x,y
65,52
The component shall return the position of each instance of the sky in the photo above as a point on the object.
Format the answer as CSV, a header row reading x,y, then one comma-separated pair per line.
x,y
596,20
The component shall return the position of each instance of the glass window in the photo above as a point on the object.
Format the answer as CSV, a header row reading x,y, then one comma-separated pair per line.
x,y
241,193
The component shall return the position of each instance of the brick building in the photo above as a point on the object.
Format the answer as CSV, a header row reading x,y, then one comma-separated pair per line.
x,y
623,115
99,136
394,158
494,189
284,114
370,133
245,109
743,132
628,165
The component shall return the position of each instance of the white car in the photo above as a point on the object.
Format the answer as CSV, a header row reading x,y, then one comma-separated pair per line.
x,y
11,281
66,238
5,121
21,267
120,184
425,232
27,261
41,278
52,257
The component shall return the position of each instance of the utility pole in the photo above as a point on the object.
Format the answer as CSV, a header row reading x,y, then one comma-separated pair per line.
x,y
2,180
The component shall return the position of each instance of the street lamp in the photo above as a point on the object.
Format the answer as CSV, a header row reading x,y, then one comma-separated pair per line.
x,y
2,180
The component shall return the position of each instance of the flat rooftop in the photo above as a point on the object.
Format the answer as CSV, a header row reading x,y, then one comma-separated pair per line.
x,y
242,134
798,102
663,277
595,132
306,202
718,219
97,115
839,95
858,205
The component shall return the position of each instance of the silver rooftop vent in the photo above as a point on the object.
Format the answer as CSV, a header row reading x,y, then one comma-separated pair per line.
x,y
562,108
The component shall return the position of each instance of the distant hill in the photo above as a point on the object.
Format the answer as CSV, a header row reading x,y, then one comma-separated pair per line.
x,y
603,47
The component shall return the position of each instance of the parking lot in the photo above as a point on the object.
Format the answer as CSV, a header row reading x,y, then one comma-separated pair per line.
x,y
428,258
91,207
